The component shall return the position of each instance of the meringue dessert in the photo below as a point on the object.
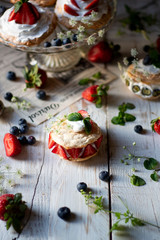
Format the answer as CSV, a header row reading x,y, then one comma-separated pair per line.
x,y
75,137
26,24
96,12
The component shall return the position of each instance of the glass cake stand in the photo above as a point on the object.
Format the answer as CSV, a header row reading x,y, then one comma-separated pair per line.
x,y
60,58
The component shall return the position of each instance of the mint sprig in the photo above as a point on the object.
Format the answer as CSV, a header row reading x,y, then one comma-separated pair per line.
x,y
92,79
123,117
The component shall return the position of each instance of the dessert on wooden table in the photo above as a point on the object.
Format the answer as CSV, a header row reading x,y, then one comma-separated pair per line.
x,y
44,3
26,24
143,79
75,137
97,12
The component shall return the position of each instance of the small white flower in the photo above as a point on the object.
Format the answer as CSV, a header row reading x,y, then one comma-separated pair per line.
x,y
119,66
61,35
7,167
85,20
81,28
69,34
19,173
94,15
124,147
134,52
125,61
134,143
91,40
72,22
101,33
135,63
80,37
49,116
138,159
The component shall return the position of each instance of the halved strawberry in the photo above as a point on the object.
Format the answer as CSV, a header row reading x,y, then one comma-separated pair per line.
x,y
92,4
74,3
74,152
89,151
60,151
12,145
24,13
83,113
51,143
70,10
98,142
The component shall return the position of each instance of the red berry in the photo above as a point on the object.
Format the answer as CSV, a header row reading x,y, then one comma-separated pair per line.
x,y
12,145
100,53
89,151
88,92
98,142
51,143
3,204
157,126
83,113
70,10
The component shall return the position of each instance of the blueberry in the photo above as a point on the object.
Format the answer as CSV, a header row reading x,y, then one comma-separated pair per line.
x,y
147,60
130,60
23,128
2,9
14,130
82,186
8,96
74,37
41,94
23,140
146,48
22,121
66,41
104,176
138,129
11,75
31,140
117,47
64,213
47,44
56,42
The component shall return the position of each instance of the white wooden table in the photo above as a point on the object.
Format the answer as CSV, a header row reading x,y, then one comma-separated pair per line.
x,y
50,182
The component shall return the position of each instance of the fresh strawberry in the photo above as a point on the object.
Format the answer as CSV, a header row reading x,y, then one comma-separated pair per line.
x,y
88,92
24,12
83,113
155,124
158,43
89,151
70,10
74,3
12,210
12,145
100,53
98,142
35,77
60,151
74,152
51,143
93,4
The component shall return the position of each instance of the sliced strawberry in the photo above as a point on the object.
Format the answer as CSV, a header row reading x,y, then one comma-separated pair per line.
x,y
74,152
92,4
55,149
70,10
83,113
89,151
90,11
75,3
61,152
51,143
88,92
12,145
98,142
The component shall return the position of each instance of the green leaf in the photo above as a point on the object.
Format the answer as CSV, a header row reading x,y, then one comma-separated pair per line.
x,y
129,117
154,176
130,106
88,125
85,81
17,225
99,102
75,117
137,222
97,75
137,181
8,223
118,215
17,6
150,164
118,121
122,107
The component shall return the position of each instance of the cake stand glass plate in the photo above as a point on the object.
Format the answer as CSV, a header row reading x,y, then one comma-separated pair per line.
x,y
61,58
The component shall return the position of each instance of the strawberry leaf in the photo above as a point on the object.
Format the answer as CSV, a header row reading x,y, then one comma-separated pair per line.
x,y
17,6
98,102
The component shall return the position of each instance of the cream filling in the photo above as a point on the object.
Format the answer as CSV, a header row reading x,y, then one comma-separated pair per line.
x,y
77,126
150,69
59,9
25,32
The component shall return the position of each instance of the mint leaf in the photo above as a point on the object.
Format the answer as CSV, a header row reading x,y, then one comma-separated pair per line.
x,y
122,107
75,117
88,125
130,106
154,176
99,102
129,117
118,121
150,163
85,81
137,181
97,75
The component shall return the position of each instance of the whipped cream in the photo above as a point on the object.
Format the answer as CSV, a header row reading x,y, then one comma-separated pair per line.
x,y
25,32
151,69
77,126
59,9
